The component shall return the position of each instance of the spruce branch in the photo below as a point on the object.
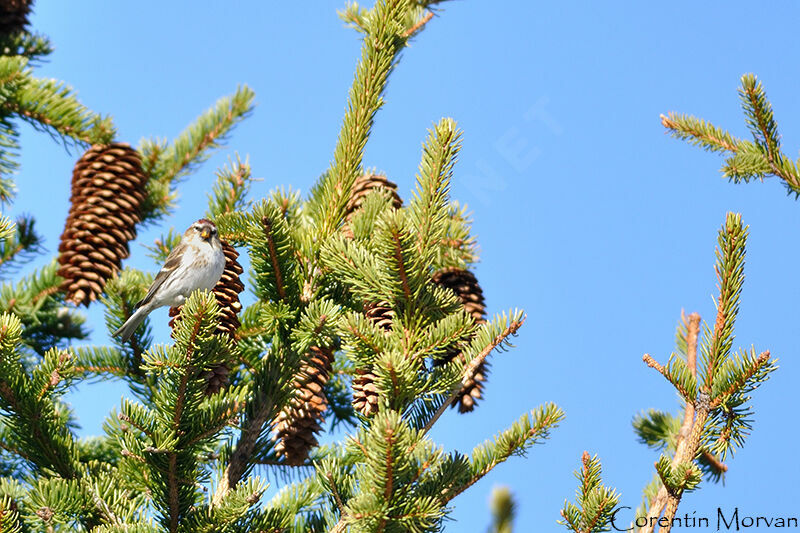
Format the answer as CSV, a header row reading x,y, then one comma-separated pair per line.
x,y
430,207
730,273
7,227
746,160
242,454
357,17
383,40
163,246
758,112
37,301
178,423
532,428
166,164
700,133
511,329
231,189
51,106
22,245
692,324
32,46
266,223
121,294
739,381
397,236
238,506
9,518
595,501
33,421
715,385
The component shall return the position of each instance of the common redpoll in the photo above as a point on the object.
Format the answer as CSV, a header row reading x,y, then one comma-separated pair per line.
x,y
196,263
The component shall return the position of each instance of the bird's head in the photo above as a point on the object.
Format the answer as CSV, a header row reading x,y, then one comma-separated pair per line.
x,y
204,228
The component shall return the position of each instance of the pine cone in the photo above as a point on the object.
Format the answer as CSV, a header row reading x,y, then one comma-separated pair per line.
x,y
108,188
14,15
465,285
365,393
227,292
298,423
361,188
381,314
216,378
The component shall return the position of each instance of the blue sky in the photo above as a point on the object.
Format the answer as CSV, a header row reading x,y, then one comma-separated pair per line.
x,y
588,216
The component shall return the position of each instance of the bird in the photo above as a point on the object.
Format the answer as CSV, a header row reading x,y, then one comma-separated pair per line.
x,y
195,263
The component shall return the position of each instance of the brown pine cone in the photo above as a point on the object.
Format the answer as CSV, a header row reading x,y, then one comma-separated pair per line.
x,y
466,287
381,314
227,291
361,188
216,378
298,423
14,15
365,393
108,188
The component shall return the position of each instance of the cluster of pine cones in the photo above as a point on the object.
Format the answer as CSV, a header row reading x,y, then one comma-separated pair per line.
x,y
297,425
108,188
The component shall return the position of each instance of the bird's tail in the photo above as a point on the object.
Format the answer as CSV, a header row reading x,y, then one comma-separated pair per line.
x,y
130,325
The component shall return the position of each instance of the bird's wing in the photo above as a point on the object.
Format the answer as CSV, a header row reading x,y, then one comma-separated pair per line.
x,y
173,262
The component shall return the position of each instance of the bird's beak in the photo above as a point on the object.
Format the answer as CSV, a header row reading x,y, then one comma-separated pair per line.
x,y
205,234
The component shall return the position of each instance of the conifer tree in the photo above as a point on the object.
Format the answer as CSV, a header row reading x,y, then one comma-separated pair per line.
x,y
366,314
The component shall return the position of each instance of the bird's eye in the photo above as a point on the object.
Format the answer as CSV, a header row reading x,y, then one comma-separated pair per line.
x,y
213,231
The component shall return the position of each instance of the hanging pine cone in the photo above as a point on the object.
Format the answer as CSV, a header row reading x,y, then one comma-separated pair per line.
x,y
227,292
216,378
298,423
365,392
465,285
108,188
381,314
14,15
361,188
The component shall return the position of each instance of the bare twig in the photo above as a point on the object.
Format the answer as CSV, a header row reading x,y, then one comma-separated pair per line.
x,y
718,465
410,32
